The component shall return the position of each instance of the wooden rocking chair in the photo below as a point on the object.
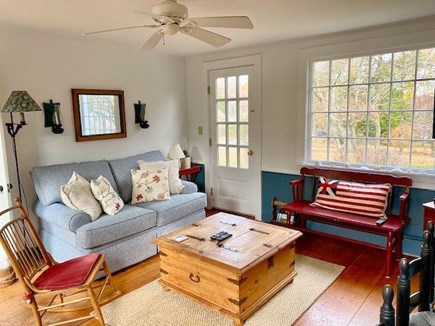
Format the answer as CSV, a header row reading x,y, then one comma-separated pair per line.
x,y
71,281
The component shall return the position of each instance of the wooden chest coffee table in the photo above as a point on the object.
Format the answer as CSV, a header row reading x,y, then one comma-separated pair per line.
x,y
235,276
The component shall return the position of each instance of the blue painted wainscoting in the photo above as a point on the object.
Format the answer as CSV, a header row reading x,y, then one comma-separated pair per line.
x,y
277,184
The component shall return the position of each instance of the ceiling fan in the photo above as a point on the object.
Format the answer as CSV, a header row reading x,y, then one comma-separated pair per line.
x,y
171,18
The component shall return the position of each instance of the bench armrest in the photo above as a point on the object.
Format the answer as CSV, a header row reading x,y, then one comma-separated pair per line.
x,y
404,198
297,188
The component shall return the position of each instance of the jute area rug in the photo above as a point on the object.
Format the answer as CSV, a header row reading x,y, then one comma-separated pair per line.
x,y
151,306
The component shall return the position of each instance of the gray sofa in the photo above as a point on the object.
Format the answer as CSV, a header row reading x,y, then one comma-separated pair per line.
x,y
125,238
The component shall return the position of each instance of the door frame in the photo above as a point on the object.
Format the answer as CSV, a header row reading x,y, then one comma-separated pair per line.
x,y
255,62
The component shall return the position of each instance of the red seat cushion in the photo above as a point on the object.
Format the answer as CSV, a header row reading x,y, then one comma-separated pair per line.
x,y
68,274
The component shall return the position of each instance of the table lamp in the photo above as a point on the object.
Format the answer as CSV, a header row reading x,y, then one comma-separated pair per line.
x,y
176,153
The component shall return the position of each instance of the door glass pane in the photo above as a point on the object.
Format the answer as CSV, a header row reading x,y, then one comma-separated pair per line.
x,y
232,157
232,134
220,88
222,133
220,110
244,136
244,115
244,158
232,111
222,156
243,86
232,87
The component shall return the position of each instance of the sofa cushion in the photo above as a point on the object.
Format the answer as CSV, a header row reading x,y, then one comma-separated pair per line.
x,y
48,179
77,194
176,208
108,198
131,220
121,169
175,184
150,185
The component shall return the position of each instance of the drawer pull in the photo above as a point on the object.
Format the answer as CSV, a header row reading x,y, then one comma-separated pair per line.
x,y
194,278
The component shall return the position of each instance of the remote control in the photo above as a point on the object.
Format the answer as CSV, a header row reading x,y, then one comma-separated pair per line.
x,y
218,235
221,236
224,236
381,221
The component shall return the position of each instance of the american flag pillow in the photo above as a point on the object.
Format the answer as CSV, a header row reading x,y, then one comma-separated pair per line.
x,y
353,197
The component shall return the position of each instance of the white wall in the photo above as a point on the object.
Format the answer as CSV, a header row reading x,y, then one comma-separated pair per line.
x,y
284,68
48,67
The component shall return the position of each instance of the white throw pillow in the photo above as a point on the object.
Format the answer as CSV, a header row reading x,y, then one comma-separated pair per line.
x,y
175,184
108,198
77,194
149,185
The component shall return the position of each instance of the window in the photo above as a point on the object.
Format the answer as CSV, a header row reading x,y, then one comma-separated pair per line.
x,y
374,110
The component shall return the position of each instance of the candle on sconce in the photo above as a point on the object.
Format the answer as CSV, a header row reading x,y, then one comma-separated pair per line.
x,y
56,116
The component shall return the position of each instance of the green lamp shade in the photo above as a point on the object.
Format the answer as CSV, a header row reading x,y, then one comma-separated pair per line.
x,y
20,101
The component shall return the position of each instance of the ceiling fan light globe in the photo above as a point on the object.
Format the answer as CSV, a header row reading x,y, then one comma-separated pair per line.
x,y
170,29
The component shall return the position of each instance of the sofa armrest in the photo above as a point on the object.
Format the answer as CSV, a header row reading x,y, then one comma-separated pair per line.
x,y
189,187
64,217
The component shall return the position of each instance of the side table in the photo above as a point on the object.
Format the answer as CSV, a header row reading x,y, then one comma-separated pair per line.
x,y
428,213
190,173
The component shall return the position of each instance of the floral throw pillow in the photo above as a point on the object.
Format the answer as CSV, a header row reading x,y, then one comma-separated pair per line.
x,y
108,198
175,184
150,185
77,194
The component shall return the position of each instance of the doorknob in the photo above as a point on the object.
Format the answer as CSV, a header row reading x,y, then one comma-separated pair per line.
x,y
1,188
250,153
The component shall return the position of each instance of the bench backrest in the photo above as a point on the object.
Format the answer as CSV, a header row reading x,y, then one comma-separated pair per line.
x,y
357,176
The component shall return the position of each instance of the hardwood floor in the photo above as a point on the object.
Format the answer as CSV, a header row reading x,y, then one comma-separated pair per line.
x,y
353,299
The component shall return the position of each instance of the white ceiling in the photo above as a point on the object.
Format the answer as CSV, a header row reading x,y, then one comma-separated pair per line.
x,y
273,20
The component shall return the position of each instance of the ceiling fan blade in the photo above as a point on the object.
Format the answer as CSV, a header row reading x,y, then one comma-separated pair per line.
x,y
120,29
206,36
152,41
224,21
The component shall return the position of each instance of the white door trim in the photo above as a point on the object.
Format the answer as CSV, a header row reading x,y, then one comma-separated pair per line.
x,y
255,61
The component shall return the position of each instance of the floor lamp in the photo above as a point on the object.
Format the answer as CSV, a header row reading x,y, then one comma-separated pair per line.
x,y
18,101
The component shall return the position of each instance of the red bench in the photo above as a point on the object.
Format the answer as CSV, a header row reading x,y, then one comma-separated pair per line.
x,y
299,210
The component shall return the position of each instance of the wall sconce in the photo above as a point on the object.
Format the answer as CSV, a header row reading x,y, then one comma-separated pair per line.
x,y
140,115
52,117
